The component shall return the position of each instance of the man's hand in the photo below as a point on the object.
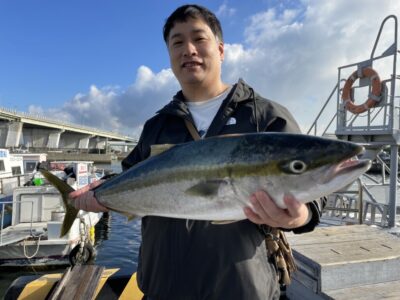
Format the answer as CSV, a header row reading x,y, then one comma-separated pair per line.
x,y
265,211
84,198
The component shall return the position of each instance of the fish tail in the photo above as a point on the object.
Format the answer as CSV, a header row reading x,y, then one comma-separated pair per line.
x,y
64,189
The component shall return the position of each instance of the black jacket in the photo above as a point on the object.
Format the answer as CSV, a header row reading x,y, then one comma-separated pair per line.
x,y
209,261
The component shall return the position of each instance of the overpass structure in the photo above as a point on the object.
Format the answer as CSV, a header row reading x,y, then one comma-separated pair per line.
x,y
24,130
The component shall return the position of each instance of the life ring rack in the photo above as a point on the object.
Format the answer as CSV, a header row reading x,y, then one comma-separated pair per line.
x,y
373,98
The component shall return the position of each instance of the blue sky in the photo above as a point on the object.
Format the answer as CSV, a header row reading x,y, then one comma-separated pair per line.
x,y
104,63
54,49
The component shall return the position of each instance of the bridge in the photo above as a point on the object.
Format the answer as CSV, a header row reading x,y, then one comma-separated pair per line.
x,y
32,131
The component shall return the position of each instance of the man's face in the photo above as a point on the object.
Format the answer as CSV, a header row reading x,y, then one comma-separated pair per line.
x,y
195,53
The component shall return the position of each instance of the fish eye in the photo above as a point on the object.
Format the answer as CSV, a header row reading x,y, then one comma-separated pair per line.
x,y
297,166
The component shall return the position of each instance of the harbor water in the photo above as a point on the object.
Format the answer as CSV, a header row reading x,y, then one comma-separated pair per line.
x,y
117,246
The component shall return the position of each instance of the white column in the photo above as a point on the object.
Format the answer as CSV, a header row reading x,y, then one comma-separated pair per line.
x,y
13,134
53,140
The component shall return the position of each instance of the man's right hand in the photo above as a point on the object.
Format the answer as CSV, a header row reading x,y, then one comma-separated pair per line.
x,y
84,198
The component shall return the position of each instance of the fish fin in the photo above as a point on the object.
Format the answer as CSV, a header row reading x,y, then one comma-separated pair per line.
x,y
131,217
158,149
223,222
70,211
207,188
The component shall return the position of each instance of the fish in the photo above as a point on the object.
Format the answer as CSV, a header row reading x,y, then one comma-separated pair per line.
x,y
213,178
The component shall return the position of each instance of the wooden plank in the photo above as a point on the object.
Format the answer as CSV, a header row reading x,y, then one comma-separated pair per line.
x,y
387,290
77,283
335,234
356,251
346,256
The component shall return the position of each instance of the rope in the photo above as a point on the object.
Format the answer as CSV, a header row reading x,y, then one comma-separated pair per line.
x,y
37,247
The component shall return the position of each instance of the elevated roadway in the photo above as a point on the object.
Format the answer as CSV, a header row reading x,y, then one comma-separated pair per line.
x,y
24,130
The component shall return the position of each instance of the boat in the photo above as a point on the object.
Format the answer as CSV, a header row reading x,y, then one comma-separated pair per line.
x,y
11,172
33,237
15,171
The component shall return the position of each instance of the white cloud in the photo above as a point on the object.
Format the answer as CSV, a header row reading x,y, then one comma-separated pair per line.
x,y
113,109
291,56
225,11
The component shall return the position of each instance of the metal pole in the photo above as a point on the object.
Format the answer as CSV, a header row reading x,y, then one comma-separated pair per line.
x,y
360,201
393,185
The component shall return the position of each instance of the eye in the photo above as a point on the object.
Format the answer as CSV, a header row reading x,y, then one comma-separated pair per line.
x,y
297,166
176,43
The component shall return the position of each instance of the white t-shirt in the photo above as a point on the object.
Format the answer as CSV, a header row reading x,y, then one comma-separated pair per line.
x,y
203,112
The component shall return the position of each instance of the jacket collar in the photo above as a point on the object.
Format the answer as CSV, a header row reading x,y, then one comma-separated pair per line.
x,y
177,106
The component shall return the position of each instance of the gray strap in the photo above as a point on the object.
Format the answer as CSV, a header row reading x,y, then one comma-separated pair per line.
x,y
347,101
193,131
360,73
374,97
373,77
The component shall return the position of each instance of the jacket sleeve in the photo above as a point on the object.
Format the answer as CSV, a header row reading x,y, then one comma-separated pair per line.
x,y
139,153
279,119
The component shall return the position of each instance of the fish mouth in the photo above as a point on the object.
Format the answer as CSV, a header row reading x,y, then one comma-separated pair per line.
x,y
352,164
348,166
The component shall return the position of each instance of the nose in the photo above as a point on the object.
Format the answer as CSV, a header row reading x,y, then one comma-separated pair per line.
x,y
189,49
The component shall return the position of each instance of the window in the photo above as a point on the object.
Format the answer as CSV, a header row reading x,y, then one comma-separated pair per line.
x,y
2,168
30,166
16,170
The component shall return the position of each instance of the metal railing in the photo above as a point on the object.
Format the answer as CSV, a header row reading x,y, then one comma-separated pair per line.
x,y
3,213
13,182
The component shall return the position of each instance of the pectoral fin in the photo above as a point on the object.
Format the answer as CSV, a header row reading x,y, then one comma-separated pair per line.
x,y
207,188
129,216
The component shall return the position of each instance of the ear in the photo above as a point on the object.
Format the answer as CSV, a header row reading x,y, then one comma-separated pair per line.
x,y
221,50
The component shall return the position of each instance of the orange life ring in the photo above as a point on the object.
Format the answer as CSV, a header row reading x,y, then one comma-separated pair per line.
x,y
373,98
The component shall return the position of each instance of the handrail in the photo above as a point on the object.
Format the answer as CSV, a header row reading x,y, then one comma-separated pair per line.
x,y
18,180
314,124
380,31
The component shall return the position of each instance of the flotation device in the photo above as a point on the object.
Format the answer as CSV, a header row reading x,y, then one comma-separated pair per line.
x,y
373,98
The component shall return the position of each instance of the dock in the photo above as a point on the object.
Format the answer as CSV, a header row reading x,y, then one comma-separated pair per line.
x,y
105,158
345,262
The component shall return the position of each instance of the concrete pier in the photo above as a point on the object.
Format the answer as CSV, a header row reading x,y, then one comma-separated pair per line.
x,y
345,262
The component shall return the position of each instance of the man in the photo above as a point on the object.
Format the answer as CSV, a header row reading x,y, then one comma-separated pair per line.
x,y
206,261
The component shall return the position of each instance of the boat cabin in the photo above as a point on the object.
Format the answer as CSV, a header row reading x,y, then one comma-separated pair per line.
x,y
10,165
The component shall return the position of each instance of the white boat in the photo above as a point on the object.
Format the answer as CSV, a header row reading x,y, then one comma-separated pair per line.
x,y
11,172
37,213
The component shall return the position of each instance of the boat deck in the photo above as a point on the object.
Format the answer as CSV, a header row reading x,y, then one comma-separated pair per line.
x,y
17,233
346,262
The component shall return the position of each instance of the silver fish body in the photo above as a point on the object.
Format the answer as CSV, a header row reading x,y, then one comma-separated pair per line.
x,y
212,179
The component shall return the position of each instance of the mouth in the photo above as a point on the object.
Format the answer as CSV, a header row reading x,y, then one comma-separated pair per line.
x,y
351,165
191,64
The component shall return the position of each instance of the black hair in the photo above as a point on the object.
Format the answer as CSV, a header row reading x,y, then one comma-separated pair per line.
x,y
182,13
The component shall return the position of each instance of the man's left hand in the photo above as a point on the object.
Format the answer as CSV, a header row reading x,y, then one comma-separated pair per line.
x,y
265,211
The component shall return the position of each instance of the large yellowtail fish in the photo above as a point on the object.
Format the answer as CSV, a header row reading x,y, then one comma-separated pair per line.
x,y
213,178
